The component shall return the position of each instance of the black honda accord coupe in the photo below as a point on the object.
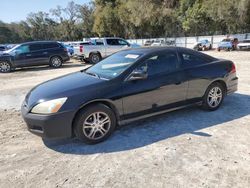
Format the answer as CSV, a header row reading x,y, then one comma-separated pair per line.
x,y
129,85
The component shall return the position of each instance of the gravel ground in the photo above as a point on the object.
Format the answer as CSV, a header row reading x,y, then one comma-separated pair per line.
x,y
185,148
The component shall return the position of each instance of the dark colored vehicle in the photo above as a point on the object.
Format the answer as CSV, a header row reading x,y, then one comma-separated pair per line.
x,y
34,54
127,86
3,48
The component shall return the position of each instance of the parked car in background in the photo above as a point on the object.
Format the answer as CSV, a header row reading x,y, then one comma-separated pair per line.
x,y
70,49
163,43
2,49
126,86
148,42
244,45
228,44
34,54
158,43
202,45
100,48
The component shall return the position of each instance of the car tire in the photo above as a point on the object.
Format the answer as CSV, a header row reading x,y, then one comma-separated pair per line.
x,y
5,67
213,97
56,62
210,47
94,58
218,49
89,126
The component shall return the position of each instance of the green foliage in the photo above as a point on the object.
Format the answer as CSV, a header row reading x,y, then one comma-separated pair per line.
x,y
131,19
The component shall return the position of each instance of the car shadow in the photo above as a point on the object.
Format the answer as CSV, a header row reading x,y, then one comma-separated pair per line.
x,y
46,67
152,130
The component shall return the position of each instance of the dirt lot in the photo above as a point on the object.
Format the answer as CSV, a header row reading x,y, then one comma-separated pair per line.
x,y
185,148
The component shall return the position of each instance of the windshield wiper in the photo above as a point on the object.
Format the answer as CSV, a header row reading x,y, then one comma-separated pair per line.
x,y
93,74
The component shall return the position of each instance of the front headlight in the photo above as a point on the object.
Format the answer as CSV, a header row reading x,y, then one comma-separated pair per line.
x,y
49,107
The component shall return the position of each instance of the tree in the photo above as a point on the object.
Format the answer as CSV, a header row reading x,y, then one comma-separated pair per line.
x,y
67,20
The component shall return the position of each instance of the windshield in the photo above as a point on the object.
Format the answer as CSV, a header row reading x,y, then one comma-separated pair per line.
x,y
113,65
12,49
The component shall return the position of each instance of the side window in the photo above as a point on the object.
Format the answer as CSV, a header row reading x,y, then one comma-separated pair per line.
x,y
189,59
23,49
161,63
122,42
35,47
112,42
50,45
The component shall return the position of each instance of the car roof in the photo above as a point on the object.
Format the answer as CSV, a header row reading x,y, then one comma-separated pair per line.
x,y
35,42
151,49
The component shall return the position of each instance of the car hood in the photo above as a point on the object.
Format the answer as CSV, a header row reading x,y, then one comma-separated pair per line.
x,y
65,86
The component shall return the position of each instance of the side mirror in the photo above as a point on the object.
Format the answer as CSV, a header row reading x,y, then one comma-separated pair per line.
x,y
138,75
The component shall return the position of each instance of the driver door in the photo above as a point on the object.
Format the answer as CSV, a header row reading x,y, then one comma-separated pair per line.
x,y
23,56
164,86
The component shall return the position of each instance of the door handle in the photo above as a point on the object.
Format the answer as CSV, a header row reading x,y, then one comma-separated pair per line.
x,y
28,55
45,53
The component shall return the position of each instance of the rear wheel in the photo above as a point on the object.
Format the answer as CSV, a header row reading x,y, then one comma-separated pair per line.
x,y
95,58
94,124
213,97
56,62
218,49
5,67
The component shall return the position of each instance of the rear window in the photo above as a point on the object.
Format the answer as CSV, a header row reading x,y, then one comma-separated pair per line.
x,y
2,48
50,45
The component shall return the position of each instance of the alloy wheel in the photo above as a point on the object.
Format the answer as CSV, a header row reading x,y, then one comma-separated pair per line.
x,y
56,62
96,125
4,67
214,97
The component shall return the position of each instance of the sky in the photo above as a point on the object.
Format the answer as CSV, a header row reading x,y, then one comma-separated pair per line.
x,y
17,10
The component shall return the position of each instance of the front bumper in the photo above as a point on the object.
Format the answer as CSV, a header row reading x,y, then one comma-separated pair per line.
x,y
49,126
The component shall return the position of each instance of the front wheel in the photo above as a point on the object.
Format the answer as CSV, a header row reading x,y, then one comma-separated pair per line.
x,y
56,62
94,124
213,97
5,67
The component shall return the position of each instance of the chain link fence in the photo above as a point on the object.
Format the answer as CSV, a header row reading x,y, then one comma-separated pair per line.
x,y
188,42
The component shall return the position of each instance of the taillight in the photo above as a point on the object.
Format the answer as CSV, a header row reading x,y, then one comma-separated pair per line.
x,y
81,48
233,68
